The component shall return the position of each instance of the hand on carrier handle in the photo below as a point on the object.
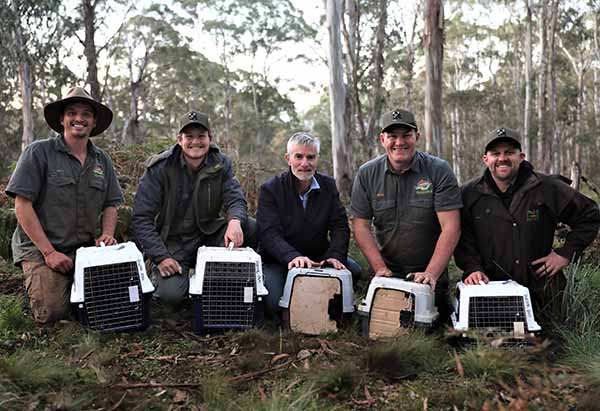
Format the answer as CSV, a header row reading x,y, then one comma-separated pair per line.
x,y
302,262
169,267
476,278
424,277
333,262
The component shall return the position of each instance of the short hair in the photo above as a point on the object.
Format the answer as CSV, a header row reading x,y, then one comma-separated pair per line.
x,y
304,139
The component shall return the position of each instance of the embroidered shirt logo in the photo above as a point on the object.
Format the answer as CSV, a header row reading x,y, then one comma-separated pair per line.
x,y
533,216
98,171
380,196
424,187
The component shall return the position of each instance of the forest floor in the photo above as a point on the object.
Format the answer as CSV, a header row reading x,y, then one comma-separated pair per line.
x,y
169,367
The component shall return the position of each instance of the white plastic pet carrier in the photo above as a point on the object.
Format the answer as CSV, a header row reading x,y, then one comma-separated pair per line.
x,y
111,290
315,300
393,306
499,308
227,288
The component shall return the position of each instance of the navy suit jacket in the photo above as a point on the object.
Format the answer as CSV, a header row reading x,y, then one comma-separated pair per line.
x,y
286,230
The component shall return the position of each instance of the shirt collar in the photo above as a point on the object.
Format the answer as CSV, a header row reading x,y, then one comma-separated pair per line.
x,y
415,165
61,145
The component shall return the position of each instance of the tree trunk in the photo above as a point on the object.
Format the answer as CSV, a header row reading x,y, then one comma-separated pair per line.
x,y
433,39
542,87
376,100
553,129
89,47
341,149
456,144
25,81
528,81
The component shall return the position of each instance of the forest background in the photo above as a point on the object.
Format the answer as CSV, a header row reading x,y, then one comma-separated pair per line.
x,y
259,69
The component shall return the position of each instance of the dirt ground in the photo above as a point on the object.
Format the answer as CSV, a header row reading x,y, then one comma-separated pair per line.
x,y
169,367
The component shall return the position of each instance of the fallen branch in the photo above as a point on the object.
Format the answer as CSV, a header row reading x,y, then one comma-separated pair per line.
x,y
252,375
154,385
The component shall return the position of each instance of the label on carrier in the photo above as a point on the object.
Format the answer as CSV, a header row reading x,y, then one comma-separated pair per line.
x,y
248,294
134,294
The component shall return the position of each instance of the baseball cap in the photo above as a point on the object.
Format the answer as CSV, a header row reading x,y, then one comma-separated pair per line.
x,y
194,117
503,135
398,118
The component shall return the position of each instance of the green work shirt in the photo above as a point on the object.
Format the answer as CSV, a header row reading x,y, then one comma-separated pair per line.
x,y
67,197
403,207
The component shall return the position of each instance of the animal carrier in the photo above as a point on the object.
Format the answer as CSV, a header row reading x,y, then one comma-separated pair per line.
x,y
393,306
227,288
111,291
316,300
496,309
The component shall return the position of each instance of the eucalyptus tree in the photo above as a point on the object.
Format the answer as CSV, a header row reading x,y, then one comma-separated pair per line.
x,y
433,43
254,31
28,28
136,51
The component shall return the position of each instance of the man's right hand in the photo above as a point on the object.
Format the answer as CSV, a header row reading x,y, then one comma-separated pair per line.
x,y
169,267
476,278
58,261
384,272
302,262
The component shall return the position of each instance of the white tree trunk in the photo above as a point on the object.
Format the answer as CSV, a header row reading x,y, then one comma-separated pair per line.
x,y
340,148
25,82
528,81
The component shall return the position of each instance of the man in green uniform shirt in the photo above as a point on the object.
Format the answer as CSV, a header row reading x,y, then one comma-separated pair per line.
x,y
61,186
412,199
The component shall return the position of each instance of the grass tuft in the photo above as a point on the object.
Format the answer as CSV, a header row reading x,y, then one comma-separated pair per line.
x,y
405,356
33,370
13,320
488,362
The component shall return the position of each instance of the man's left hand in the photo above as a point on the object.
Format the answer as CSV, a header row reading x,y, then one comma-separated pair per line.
x,y
335,263
550,264
234,233
106,239
424,278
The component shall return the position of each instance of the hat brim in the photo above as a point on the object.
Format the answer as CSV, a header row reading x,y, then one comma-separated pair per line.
x,y
399,123
197,123
504,139
53,111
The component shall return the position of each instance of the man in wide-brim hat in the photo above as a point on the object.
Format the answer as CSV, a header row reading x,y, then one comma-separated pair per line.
x,y
61,186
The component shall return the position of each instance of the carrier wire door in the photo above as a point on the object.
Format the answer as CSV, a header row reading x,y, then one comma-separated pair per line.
x,y
227,288
111,291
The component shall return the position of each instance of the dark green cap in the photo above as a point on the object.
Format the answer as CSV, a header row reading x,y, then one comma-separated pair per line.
x,y
398,118
503,135
194,117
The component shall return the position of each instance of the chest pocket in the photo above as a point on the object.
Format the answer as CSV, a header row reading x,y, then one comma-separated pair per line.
x,y
97,183
384,212
61,190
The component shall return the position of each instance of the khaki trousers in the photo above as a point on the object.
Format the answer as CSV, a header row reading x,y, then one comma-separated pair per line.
x,y
48,292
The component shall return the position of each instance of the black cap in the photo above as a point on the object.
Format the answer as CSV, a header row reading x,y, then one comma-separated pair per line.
x,y
194,117
503,135
398,118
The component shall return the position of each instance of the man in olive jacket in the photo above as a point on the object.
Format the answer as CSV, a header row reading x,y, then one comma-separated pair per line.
x,y
188,197
509,218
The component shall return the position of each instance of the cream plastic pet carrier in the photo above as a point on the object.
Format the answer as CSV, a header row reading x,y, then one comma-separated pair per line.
x,y
227,288
393,306
496,309
316,300
111,290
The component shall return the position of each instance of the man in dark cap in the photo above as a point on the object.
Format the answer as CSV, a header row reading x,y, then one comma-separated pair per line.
x,y
61,186
509,218
412,199
188,197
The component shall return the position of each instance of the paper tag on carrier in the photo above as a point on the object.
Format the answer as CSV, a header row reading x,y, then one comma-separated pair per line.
x,y
248,294
519,328
134,294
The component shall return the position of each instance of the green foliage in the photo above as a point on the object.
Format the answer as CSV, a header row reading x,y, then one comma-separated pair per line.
x,y
406,356
8,223
341,379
